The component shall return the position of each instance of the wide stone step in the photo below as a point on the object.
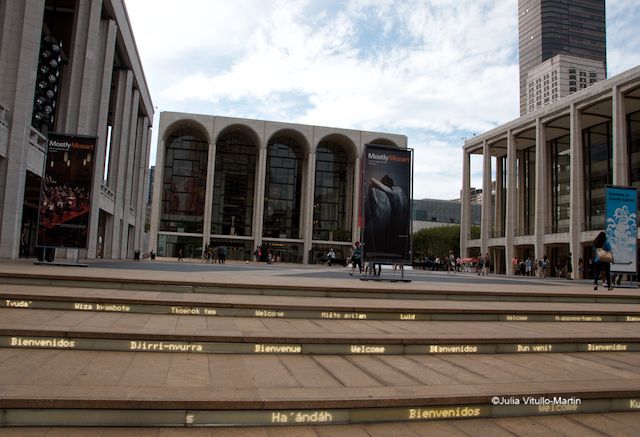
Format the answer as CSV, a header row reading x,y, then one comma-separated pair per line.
x,y
217,305
197,334
553,291
596,424
89,388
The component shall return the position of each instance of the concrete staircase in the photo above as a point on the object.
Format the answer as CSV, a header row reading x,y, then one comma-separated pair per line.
x,y
91,349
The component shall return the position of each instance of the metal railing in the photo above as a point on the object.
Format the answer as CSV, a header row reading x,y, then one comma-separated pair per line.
x,y
37,140
556,229
495,233
522,232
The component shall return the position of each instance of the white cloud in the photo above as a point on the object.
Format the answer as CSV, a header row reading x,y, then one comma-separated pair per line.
x,y
430,83
435,70
623,38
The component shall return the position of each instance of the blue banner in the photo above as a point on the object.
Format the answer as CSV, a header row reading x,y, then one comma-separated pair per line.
x,y
622,227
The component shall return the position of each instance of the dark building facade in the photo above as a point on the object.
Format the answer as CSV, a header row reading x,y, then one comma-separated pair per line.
x,y
548,28
431,213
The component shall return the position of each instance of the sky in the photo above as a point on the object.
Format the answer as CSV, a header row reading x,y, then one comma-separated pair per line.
x,y
437,71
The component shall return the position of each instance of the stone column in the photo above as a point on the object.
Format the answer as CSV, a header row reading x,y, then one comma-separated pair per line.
x,y
542,188
576,175
143,171
104,84
208,195
156,202
465,206
258,202
128,170
620,146
118,152
308,206
19,50
499,208
357,201
86,65
520,199
486,197
511,205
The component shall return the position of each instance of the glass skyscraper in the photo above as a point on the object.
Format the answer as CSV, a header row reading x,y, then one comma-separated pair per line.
x,y
548,28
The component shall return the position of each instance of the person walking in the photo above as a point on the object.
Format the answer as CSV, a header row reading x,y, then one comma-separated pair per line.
x,y
451,263
602,258
221,253
580,268
487,264
356,259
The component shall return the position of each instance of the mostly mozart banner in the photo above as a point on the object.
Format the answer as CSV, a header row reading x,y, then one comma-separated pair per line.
x,y
65,195
622,228
386,211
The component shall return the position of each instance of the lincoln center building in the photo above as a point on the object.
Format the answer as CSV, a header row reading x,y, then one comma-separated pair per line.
x,y
72,68
293,190
550,171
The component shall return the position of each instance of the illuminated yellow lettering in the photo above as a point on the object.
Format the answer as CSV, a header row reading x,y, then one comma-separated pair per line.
x,y
277,417
17,303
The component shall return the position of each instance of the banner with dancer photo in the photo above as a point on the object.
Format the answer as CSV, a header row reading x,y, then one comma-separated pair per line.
x,y
386,207
65,195
621,227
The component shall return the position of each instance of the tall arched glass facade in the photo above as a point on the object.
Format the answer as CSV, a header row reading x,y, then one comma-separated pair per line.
x,y
333,182
283,188
184,182
238,185
233,189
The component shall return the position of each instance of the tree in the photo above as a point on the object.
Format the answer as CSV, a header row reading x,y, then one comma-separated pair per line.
x,y
440,240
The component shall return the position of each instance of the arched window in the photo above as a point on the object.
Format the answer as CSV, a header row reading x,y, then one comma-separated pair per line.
x,y
333,183
283,188
233,189
184,182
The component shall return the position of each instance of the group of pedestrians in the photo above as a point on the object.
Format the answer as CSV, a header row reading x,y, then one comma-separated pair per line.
x,y
540,267
215,255
485,264
270,257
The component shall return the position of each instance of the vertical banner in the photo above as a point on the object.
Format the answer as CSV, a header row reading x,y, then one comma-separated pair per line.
x,y
386,209
65,196
621,227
